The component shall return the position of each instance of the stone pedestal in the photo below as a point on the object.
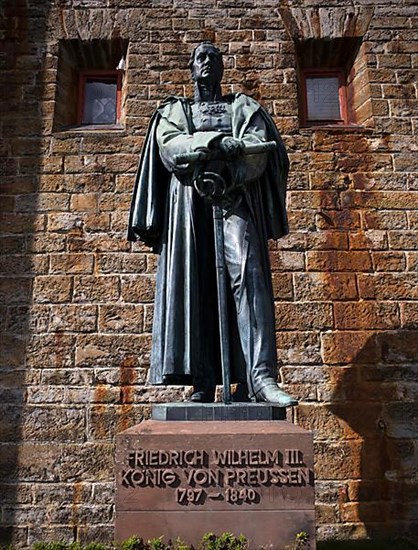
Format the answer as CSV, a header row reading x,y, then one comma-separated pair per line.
x,y
184,479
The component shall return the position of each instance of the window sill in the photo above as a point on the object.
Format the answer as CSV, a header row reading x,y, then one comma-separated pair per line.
x,y
337,128
91,128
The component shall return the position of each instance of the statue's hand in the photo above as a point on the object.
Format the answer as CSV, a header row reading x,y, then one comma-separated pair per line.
x,y
230,146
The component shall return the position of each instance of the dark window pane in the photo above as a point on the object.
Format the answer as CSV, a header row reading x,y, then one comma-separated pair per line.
x,y
99,102
323,98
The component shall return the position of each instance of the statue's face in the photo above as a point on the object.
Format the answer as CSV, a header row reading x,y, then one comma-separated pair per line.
x,y
207,65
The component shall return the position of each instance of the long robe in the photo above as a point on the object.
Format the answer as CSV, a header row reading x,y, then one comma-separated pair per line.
x,y
168,215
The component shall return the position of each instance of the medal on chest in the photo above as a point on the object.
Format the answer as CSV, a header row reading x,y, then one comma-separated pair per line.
x,y
212,116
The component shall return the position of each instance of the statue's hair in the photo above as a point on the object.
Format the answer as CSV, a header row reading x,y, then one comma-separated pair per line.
x,y
207,43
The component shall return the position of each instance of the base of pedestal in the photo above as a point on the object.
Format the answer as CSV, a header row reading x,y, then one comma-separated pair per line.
x,y
185,479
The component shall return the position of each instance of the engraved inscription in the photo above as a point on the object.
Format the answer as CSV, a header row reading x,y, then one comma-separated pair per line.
x,y
293,457
235,476
189,496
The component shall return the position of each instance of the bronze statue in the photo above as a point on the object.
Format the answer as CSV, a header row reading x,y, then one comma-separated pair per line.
x,y
200,153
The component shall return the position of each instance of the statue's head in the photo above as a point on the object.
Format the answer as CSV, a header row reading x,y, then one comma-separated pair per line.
x,y
206,63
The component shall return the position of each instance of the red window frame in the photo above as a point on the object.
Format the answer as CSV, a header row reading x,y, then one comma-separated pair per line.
x,y
100,75
342,96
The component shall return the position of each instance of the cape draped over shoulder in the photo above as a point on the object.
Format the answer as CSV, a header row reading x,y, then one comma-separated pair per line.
x,y
149,199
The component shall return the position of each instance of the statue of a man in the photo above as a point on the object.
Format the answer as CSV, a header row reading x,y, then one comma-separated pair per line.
x,y
172,213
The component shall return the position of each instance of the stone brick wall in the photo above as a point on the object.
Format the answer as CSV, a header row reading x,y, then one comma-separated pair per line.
x,y
76,298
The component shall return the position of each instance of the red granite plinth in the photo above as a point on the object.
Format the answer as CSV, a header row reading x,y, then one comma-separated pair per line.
x,y
184,479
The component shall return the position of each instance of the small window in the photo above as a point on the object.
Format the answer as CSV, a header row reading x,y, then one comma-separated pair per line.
x,y
323,97
99,98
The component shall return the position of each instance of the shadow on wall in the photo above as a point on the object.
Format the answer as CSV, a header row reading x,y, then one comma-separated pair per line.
x,y
23,25
376,398
366,421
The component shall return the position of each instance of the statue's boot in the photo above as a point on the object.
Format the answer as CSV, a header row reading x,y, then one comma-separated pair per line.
x,y
273,394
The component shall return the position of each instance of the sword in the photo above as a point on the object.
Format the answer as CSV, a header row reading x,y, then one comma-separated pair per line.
x,y
221,279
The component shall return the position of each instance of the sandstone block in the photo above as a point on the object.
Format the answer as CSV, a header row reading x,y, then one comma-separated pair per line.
x,y
15,290
282,286
389,261
403,107
124,162
380,199
338,261
347,347
337,460
284,260
325,286
47,533
403,240
330,492
42,202
122,262
71,263
12,350
102,350
50,350
106,421
67,377
18,264
115,201
412,261
399,346
12,244
366,315
326,513
353,512
368,240
52,288
46,243
24,319
326,240
94,533
139,288
60,424
400,420
388,286
338,219
94,462
13,493
97,243
80,513
149,316
298,347
90,288
24,515
125,182
121,318
313,199
323,422
294,241
366,490
409,313
16,223
73,318
84,202
303,316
